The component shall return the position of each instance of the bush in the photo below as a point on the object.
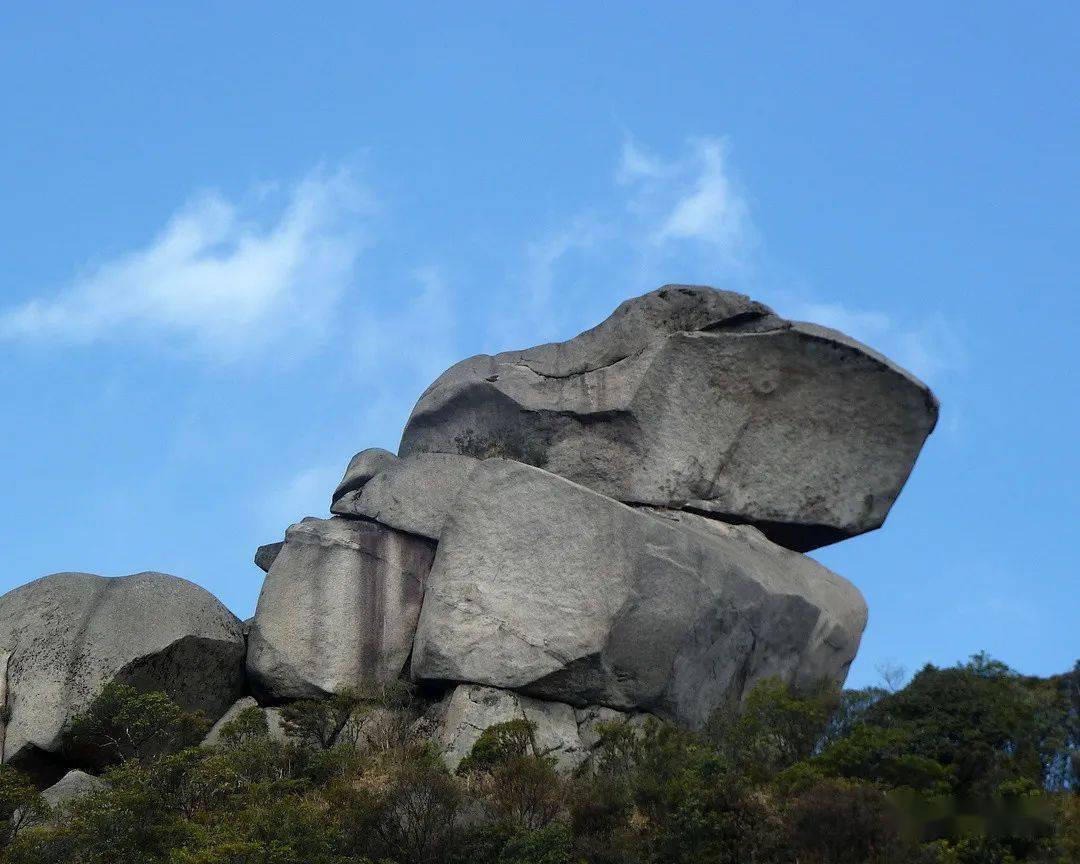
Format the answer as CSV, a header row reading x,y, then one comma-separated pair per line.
x,y
963,766
123,723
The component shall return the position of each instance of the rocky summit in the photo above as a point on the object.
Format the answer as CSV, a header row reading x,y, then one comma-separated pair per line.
x,y
608,527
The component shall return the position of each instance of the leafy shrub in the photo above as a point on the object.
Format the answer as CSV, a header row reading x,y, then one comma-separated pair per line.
x,y
968,765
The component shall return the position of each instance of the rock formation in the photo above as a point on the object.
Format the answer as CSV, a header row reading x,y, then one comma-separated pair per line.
x,y
591,531
338,607
565,733
545,586
70,634
702,400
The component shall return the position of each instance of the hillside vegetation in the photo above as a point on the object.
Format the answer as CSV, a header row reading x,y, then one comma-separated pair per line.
x,y
967,765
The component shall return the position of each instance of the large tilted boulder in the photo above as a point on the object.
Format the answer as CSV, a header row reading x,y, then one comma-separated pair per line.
x,y
64,637
412,494
544,586
337,609
700,399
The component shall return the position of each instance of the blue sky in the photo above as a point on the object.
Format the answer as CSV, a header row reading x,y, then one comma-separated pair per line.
x,y
239,240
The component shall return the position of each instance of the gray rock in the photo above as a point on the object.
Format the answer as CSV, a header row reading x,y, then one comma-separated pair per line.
x,y
362,467
72,786
591,719
273,722
412,494
694,398
469,709
265,555
544,586
337,609
70,634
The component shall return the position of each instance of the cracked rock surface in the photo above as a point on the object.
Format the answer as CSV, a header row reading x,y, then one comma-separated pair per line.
x,y
693,398
544,586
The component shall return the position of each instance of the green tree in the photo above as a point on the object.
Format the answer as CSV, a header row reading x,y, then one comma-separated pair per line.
x,y
20,805
123,723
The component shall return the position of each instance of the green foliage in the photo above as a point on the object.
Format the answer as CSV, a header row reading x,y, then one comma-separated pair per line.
x,y
552,844
983,722
773,729
518,785
499,744
319,723
246,727
20,805
123,723
968,765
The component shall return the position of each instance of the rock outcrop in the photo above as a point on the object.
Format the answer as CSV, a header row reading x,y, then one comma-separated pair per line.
x,y
693,398
413,494
562,732
70,634
544,586
71,787
362,467
274,726
593,531
338,608
266,554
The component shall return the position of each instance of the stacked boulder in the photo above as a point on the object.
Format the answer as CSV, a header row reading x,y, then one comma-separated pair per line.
x,y
614,522
605,527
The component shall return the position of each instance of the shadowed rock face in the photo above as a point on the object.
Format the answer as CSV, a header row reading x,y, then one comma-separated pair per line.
x,y
70,634
338,608
544,586
692,398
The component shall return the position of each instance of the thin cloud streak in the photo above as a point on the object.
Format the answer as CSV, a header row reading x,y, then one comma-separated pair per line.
x,y
213,278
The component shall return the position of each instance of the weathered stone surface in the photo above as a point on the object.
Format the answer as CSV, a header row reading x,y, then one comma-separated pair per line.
x,y
469,709
337,609
411,494
72,786
545,586
70,634
693,398
362,467
273,721
265,555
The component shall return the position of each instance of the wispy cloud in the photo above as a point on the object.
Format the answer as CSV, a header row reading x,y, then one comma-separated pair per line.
x,y
689,198
215,277
673,218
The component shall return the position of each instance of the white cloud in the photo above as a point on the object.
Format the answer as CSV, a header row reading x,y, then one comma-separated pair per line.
x,y
692,198
636,164
677,219
214,277
709,210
